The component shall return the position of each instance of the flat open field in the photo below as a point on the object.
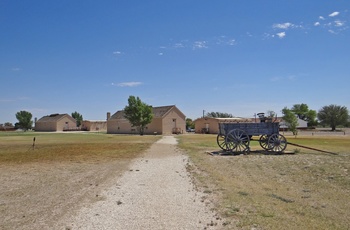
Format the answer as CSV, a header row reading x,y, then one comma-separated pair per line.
x,y
306,190
40,186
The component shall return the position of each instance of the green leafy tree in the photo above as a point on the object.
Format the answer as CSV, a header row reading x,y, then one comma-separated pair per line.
x,y
24,120
291,120
189,123
8,124
271,114
78,117
303,112
219,115
138,113
333,115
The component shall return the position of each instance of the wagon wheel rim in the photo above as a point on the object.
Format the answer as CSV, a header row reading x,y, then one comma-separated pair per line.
x,y
277,143
263,141
221,141
237,140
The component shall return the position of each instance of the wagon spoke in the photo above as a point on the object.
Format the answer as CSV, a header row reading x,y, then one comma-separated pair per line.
x,y
263,141
277,143
237,141
220,139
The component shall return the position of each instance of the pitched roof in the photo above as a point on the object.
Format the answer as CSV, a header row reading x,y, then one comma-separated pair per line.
x,y
227,119
161,111
53,117
158,112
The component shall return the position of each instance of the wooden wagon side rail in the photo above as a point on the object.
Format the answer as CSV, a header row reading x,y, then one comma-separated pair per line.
x,y
251,129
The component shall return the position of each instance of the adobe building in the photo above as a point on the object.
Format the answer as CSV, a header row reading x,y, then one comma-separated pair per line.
x,y
56,122
166,120
94,126
210,125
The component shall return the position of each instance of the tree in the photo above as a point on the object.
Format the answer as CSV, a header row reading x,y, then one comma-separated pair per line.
x,y
271,114
8,124
303,112
24,120
219,115
291,120
138,113
78,117
189,123
333,115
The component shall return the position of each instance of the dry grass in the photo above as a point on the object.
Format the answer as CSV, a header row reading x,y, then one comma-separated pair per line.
x,y
18,147
307,190
64,170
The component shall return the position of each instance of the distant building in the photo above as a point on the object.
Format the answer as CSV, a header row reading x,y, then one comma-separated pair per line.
x,y
97,126
301,124
166,120
5,127
56,122
210,125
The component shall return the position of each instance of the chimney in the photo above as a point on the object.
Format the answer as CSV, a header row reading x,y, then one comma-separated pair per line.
x,y
108,115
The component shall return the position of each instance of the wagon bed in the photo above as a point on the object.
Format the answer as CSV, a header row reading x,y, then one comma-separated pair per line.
x,y
235,137
251,129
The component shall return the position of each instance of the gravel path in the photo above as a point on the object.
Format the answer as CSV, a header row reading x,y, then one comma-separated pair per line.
x,y
156,193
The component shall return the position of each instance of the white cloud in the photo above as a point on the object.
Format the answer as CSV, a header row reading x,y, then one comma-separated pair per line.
x,y
317,24
117,52
339,23
334,14
200,45
179,45
160,54
231,42
281,35
321,18
286,25
128,84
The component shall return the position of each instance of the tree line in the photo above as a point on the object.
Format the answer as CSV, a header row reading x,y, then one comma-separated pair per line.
x,y
328,116
140,115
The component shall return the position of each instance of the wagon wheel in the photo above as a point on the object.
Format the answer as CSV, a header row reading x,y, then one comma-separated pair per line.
x,y
238,141
277,143
263,141
220,139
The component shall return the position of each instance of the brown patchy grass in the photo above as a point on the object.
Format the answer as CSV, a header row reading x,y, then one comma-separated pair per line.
x,y
65,147
64,170
307,190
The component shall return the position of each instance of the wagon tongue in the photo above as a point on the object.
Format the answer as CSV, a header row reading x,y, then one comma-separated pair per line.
x,y
305,147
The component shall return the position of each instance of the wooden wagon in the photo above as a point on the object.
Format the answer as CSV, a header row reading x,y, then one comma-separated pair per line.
x,y
235,137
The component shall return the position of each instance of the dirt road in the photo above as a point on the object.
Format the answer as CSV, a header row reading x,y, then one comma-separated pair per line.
x,y
155,191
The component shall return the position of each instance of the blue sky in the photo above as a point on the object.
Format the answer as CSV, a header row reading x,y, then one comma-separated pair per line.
x,y
238,57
